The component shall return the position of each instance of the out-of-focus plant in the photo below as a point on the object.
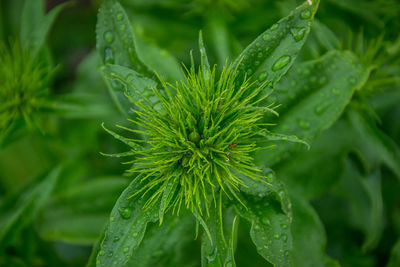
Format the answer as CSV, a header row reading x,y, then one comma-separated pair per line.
x,y
283,153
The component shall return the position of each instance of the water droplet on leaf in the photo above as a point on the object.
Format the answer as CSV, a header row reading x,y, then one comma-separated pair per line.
x,y
125,212
305,14
320,109
108,37
108,56
262,76
281,63
335,91
304,124
298,33
266,37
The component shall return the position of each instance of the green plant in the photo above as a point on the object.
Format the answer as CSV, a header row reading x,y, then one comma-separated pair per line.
x,y
200,135
284,152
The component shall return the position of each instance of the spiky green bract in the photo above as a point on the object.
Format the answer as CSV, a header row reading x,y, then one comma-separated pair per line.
x,y
23,86
199,139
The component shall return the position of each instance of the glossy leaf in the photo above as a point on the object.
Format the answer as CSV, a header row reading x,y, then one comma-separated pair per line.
x,y
126,228
79,215
123,81
272,53
116,40
312,96
28,205
36,24
268,209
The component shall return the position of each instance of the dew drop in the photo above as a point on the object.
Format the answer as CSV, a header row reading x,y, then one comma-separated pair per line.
x,y
322,80
274,27
126,249
122,27
335,91
276,236
112,218
298,33
260,55
313,79
125,212
102,252
304,124
108,37
135,234
352,80
116,239
110,255
262,76
284,237
305,14
249,72
266,221
258,44
266,37
284,226
320,109
120,16
281,63
108,56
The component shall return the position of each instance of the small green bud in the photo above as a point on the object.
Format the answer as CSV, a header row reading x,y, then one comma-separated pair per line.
x,y
194,137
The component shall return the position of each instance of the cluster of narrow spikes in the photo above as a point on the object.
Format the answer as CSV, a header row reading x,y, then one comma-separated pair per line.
x,y
199,141
23,86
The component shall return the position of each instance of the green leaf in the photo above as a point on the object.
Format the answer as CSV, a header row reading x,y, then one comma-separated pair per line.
x,y
325,36
159,60
123,81
272,53
116,40
364,198
308,233
26,208
374,145
312,96
268,209
394,255
218,33
162,241
78,215
127,226
218,251
299,172
35,24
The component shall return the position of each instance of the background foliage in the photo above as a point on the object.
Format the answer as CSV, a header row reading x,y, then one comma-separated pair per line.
x,y
57,191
